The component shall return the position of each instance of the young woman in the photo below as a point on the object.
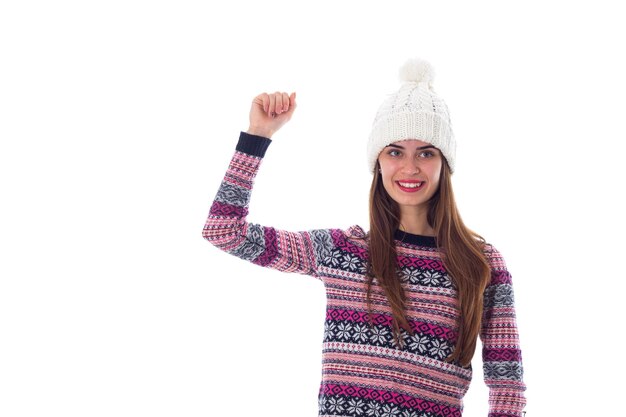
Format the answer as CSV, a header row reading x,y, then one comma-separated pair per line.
x,y
407,300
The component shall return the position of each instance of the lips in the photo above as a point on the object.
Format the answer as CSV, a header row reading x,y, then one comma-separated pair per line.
x,y
410,186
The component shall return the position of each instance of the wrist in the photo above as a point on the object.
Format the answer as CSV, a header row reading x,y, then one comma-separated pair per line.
x,y
253,144
258,131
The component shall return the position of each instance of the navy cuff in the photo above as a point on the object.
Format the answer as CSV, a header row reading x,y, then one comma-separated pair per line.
x,y
252,144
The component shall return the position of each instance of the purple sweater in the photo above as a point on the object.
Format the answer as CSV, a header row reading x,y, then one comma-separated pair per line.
x,y
364,373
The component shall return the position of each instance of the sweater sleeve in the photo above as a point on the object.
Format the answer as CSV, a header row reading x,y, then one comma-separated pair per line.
x,y
227,229
502,357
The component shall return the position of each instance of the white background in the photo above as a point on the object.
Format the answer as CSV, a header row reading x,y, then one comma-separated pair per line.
x,y
117,122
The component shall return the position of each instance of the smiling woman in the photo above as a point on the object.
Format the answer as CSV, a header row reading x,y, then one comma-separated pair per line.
x,y
406,301
410,171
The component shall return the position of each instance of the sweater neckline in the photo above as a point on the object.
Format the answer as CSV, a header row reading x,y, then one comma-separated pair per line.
x,y
418,240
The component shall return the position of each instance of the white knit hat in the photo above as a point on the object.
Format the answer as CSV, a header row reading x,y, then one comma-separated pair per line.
x,y
414,112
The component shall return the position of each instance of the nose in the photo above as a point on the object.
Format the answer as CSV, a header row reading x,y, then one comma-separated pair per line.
x,y
411,167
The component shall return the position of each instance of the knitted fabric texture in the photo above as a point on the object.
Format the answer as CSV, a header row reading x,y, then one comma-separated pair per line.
x,y
364,373
413,112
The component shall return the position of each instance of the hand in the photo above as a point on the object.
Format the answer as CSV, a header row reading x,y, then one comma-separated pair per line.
x,y
269,112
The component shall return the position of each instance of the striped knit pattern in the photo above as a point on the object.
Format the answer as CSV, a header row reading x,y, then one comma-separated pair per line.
x,y
364,372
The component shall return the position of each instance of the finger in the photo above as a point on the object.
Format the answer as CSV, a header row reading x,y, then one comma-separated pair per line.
x,y
279,102
285,102
265,101
292,101
272,105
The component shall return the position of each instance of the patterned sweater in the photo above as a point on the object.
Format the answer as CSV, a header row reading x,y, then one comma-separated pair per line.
x,y
364,373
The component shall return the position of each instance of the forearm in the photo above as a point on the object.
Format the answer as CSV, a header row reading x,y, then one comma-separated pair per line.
x,y
225,223
502,356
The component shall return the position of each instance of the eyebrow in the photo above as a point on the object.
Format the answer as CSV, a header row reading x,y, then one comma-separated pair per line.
x,y
418,148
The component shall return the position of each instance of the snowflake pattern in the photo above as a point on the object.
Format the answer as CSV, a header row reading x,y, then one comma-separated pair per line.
x,y
339,259
361,407
334,259
360,333
379,335
427,278
439,349
389,411
431,278
329,330
410,275
374,409
356,407
350,262
418,343
336,404
343,331
321,403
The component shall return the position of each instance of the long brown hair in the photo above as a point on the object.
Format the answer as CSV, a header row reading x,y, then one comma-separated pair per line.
x,y
463,258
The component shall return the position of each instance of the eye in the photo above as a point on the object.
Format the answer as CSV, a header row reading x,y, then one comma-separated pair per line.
x,y
427,154
394,152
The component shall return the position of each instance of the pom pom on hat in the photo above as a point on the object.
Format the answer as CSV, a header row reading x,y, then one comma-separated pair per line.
x,y
417,70
413,112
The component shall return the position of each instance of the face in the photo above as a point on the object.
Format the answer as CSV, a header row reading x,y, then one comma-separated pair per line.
x,y
410,171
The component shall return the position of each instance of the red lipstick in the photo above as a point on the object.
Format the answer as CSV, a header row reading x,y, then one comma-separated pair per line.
x,y
410,186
